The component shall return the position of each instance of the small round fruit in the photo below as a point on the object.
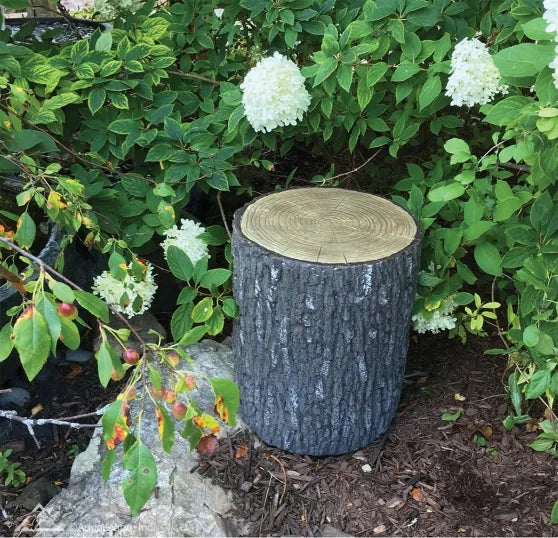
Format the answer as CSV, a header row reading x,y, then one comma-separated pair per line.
x,y
174,358
190,382
179,410
207,445
68,311
128,394
158,393
115,376
131,356
170,396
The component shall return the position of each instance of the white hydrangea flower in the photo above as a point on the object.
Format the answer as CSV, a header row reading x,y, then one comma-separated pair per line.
x,y
110,9
474,78
75,6
550,15
111,290
187,239
274,94
441,319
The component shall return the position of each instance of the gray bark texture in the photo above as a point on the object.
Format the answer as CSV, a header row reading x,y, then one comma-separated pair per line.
x,y
320,349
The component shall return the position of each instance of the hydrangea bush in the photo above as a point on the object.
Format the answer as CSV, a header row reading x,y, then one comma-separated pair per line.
x,y
460,99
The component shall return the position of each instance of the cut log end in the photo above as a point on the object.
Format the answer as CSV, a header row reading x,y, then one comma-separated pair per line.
x,y
328,225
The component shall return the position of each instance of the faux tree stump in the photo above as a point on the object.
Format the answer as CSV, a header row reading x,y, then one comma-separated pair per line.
x,y
325,281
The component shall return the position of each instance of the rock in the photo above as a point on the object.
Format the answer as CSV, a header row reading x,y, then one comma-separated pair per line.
x,y
38,492
186,503
142,324
380,529
79,355
366,468
16,396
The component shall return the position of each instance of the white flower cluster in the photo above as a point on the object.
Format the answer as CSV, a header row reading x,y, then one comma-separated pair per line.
x,y
75,6
474,78
110,9
274,94
550,15
187,239
441,319
112,290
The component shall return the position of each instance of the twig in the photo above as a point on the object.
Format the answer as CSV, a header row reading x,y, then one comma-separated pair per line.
x,y
48,268
223,216
29,422
355,169
98,412
518,167
284,476
495,146
195,77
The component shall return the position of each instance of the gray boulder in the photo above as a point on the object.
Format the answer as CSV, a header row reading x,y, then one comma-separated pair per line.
x,y
186,504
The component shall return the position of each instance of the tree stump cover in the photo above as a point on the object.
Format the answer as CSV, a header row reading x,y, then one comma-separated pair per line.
x,y
325,281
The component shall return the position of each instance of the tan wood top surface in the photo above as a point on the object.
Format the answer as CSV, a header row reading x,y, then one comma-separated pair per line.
x,y
328,225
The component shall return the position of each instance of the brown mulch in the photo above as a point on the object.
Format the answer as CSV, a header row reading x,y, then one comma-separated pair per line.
x,y
428,477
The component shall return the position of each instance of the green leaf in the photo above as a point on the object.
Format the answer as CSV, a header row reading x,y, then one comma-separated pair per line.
x,y
123,127
488,258
227,399
215,277
93,304
515,393
554,514
540,445
192,433
431,89
405,71
111,417
537,385
375,73
446,192
216,322
26,230
230,308
49,313
181,321
165,213
104,41
106,465
32,341
69,334
6,341
138,487
345,76
535,29
451,417
104,363
179,263
166,429
523,60
325,70
62,291
193,335
96,100
456,145
203,310
531,336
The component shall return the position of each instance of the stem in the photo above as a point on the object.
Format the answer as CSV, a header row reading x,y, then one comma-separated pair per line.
x,y
223,216
355,169
49,269
195,77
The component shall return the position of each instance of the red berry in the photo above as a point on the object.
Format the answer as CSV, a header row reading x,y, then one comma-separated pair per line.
x,y
68,311
170,396
190,382
115,376
179,410
131,356
207,445
158,393
174,358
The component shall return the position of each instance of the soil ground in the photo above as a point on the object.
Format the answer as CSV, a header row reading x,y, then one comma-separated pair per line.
x,y
427,477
